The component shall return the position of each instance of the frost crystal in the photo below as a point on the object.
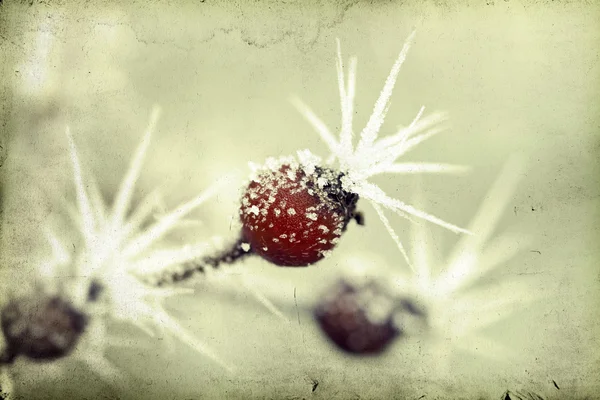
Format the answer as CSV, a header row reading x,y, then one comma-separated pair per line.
x,y
372,155
313,217
458,308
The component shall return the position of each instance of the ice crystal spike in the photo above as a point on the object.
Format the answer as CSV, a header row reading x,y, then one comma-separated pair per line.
x,y
373,155
462,268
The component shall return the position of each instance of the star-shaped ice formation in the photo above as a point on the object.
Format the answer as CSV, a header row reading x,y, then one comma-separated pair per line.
x,y
118,244
373,155
459,306
117,248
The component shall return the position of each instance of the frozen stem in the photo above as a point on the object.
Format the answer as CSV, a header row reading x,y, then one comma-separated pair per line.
x,y
229,255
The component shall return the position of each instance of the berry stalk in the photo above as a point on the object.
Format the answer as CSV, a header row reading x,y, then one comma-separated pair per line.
x,y
231,254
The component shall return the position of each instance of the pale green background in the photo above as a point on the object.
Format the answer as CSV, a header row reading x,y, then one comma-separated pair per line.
x,y
515,76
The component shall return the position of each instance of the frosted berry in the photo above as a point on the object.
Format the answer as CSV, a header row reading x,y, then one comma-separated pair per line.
x,y
294,217
41,327
358,318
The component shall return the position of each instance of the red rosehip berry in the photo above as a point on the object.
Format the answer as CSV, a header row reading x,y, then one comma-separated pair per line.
x,y
292,217
359,318
41,327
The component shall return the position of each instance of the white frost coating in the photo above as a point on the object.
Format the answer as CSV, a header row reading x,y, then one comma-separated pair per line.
x,y
309,161
312,216
323,228
321,182
374,155
245,247
291,175
272,163
291,211
254,210
326,253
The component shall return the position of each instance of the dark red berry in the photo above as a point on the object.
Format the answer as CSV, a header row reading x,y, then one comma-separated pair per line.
x,y
41,327
358,318
292,217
